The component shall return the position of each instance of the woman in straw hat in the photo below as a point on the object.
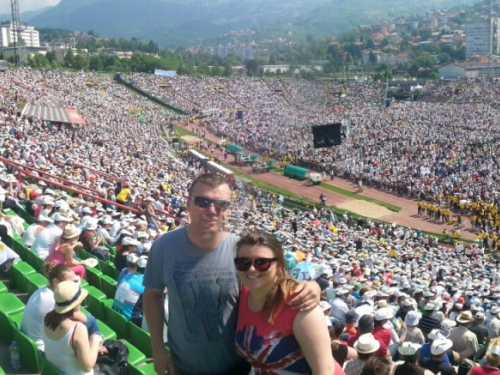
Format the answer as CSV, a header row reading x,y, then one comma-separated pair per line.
x,y
64,250
67,344
42,301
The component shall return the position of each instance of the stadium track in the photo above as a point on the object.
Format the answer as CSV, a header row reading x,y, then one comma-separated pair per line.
x,y
406,217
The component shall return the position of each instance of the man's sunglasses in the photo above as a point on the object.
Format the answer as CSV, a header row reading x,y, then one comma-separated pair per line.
x,y
203,202
260,264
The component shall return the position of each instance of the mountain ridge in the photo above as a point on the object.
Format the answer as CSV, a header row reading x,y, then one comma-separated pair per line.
x,y
173,23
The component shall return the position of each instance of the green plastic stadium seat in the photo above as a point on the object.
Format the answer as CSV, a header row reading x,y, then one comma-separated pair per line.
x,y
107,268
3,288
20,249
27,217
84,283
2,372
30,355
48,368
81,253
106,331
109,286
94,303
17,319
135,357
35,262
10,304
18,273
140,339
148,369
35,281
6,332
96,293
93,276
117,322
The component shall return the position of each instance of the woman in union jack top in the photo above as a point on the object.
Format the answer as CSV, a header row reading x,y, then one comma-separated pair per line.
x,y
271,336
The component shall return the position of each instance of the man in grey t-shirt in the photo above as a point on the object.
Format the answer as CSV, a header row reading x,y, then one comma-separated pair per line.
x,y
195,263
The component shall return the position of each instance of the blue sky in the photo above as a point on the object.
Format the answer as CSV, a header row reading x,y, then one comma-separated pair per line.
x,y
25,5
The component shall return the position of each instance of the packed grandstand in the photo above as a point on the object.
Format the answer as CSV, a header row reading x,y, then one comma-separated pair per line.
x,y
440,149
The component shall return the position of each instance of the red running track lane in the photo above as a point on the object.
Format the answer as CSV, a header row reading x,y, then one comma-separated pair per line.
x,y
406,217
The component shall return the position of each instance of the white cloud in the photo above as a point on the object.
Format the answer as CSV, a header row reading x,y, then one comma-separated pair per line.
x,y
25,5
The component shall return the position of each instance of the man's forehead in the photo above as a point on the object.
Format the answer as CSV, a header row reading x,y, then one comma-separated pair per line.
x,y
204,188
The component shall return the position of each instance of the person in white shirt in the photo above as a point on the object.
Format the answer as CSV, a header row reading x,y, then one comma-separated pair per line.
x,y
35,229
42,301
494,324
87,216
48,238
104,228
68,345
339,305
116,227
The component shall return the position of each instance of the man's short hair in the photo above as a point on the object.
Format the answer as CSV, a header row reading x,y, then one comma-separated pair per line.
x,y
365,323
351,316
377,365
210,179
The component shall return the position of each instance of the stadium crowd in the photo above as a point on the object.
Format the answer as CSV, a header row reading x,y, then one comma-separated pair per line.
x,y
409,148
372,276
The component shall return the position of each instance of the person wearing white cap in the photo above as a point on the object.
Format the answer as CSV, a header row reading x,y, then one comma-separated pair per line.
x,y
91,242
407,305
87,215
47,203
410,353
382,316
325,307
366,346
478,327
410,331
104,228
425,350
141,237
339,305
490,364
49,237
439,348
116,227
128,246
128,299
131,266
494,324
35,229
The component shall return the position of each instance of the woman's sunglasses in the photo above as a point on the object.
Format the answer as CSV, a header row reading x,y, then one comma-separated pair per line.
x,y
260,264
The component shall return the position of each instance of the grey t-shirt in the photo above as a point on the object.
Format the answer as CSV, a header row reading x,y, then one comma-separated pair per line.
x,y
203,291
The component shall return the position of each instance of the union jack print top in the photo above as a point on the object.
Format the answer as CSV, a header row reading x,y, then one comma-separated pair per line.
x,y
271,349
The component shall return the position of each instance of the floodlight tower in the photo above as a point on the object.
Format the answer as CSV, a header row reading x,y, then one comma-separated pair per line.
x,y
20,53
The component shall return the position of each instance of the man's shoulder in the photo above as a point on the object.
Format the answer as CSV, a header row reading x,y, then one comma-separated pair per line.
x,y
173,235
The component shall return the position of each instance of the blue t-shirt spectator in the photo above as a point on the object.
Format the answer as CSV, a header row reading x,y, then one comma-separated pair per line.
x,y
128,297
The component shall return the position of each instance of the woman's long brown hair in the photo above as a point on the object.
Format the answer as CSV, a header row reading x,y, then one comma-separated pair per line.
x,y
285,284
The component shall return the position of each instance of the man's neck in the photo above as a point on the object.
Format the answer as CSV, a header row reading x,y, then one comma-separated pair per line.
x,y
208,241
